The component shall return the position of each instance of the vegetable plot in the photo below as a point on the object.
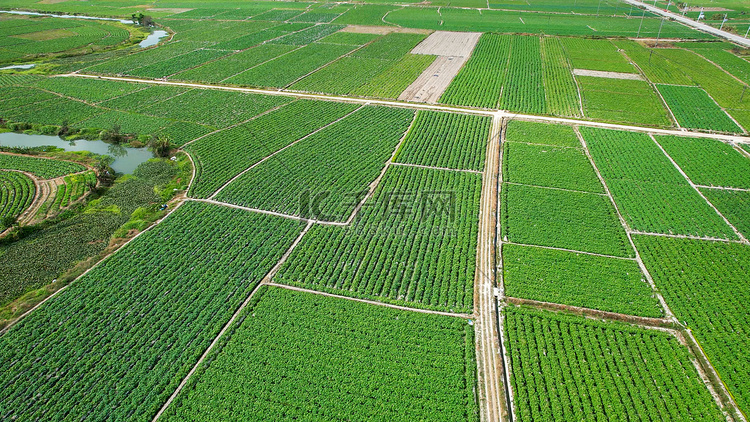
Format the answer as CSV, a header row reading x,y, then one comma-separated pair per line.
x,y
43,168
449,140
116,343
414,242
589,281
705,285
16,194
650,192
291,353
324,176
707,161
571,368
693,108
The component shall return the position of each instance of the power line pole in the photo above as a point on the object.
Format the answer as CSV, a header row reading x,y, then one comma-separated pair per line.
x,y
659,33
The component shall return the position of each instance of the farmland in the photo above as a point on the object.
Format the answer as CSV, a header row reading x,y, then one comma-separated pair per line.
x,y
341,339
450,210
564,358
16,194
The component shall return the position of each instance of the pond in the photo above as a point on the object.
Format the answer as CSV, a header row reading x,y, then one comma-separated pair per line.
x,y
126,159
96,18
153,39
18,66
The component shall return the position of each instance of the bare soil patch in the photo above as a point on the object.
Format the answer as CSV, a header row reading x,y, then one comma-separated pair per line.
x,y
443,43
610,75
431,84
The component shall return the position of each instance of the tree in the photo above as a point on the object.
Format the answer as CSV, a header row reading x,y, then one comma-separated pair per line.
x,y
160,145
141,19
8,222
113,135
104,172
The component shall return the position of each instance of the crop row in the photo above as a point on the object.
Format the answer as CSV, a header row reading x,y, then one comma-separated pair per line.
x,y
301,348
73,188
572,220
16,193
589,281
523,88
323,176
705,285
116,343
570,368
548,166
707,161
560,87
222,155
40,167
694,109
650,192
447,140
480,81
413,241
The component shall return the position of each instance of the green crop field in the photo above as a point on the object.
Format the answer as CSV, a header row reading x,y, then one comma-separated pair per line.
x,y
571,368
16,193
384,210
288,340
430,214
651,192
446,140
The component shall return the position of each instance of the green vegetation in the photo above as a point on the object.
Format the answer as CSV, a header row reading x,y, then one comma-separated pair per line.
x,y
650,192
448,140
41,167
480,81
572,220
576,279
541,134
288,68
707,161
24,38
560,87
734,205
523,88
72,189
160,329
622,101
285,341
593,54
414,241
16,193
325,175
571,368
223,155
76,236
548,166
387,85
705,285
694,109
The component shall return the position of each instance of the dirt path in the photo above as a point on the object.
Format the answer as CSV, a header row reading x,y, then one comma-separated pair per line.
x,y
610,75
421,106
492,394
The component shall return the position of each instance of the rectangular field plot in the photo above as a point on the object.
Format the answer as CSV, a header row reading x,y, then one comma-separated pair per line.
x,y
289,67
596,55
650,192
734,205
523,88
694,109
571,368
222,155
622,101
560,87
589,281
363,362
571,220
548,166
387,85
480,82
324,176
449,140
708,162
414,242
215,108
118,341
541,134
705,285
234,64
